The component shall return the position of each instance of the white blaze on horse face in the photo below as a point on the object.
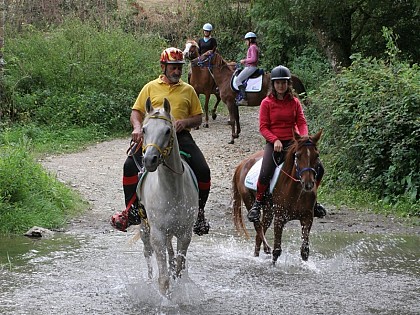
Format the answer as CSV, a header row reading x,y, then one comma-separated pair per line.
x,y
187,49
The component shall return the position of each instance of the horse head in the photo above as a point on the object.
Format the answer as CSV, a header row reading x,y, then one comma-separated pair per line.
x,y
158,135
191,50
305,157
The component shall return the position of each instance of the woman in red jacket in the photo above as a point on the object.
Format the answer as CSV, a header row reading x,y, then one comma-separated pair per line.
x,y
280,114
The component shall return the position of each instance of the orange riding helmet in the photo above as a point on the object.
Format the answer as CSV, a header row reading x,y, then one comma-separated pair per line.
x,y
172,55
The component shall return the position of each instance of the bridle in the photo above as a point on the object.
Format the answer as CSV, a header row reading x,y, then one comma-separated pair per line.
x,y
166,151
298,170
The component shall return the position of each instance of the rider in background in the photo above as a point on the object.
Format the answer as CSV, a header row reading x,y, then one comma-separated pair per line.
x,y
250,63
280,114
207,43
187,112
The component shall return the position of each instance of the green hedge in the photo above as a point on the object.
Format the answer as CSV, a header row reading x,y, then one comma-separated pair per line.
x,y
77,75
371,118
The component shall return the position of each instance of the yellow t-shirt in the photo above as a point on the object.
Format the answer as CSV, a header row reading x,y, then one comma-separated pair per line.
x,y
182,97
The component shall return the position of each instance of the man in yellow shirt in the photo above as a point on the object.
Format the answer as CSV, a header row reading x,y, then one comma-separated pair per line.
x,y
187,112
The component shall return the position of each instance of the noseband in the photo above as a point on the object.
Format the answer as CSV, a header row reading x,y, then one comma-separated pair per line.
x,y
166,151
299,171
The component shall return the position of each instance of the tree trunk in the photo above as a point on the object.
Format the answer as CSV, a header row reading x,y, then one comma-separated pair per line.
x,y
2,21
335,41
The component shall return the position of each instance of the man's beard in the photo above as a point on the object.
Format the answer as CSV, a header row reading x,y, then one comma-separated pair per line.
x,y
174,78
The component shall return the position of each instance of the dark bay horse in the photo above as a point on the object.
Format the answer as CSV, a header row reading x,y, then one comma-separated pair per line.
x,y
202,80
293,197
222,73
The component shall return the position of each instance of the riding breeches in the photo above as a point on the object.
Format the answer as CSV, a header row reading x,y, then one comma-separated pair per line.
x,y
132,165
244,74
198,164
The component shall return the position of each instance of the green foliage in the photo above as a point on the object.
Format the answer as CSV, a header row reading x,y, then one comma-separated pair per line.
x,y
372,134
77,75
28,195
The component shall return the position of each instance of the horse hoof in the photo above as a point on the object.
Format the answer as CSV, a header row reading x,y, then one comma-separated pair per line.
x,y
196,128
304,253
235,136
231,141
206,125
214,116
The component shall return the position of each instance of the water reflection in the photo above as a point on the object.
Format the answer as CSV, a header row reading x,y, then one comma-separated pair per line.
x,y
102,274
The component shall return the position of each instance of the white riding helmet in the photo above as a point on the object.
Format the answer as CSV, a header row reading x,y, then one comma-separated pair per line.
x,y
208,27
250,35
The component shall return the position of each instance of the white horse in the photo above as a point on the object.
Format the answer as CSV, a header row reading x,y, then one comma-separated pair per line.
x,y
169,194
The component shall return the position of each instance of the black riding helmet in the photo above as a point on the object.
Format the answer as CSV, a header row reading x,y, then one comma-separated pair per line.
x,y
280,73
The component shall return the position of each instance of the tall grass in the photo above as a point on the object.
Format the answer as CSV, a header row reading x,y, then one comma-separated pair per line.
x,y
29,196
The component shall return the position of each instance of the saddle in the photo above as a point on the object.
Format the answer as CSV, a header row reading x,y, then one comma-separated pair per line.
x,y
251,177
253,84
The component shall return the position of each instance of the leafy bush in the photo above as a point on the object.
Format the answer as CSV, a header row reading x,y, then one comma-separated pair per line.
x,y
370,114
77,75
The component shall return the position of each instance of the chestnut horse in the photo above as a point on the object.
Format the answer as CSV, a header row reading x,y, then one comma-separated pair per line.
x,y
202,80
293,197
222,73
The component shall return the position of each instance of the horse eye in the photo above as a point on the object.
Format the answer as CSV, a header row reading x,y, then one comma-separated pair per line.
x,y
168,131
143,130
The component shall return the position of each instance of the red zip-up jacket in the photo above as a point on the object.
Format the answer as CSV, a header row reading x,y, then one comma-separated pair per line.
x,y
278,118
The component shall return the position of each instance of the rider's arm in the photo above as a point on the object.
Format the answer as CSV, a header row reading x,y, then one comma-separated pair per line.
x,y
136,120
188,123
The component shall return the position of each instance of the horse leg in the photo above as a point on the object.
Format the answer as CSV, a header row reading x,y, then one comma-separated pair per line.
x,y
159,243
182,247
306,229
147,248
206,109
171,258
234,121
278,232
213,112
266,222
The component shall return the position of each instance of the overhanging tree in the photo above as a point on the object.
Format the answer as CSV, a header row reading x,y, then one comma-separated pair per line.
x,y
340,27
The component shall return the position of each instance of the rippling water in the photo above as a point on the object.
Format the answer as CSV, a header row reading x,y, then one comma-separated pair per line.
x,y
103,274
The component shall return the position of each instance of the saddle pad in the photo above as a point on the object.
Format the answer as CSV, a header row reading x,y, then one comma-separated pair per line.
x,y
253,85
252,177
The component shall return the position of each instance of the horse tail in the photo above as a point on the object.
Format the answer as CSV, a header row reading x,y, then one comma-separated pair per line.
x,y
237,204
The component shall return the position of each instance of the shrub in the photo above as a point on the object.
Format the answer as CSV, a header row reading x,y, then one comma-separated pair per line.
x,y
370,114
77,74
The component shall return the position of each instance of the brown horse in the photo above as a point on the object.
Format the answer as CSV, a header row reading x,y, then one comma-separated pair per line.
x,y
202,80
293,197
222,72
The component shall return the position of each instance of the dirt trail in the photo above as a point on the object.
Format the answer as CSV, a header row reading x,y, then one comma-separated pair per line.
x,y
97,174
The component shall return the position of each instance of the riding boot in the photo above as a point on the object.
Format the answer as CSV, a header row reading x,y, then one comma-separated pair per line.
x,y
319,210
244,100
255,212
201,226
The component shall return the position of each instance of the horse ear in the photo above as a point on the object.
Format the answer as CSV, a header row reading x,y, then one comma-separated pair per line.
x,y
166,106
149,106
296,136
317,136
